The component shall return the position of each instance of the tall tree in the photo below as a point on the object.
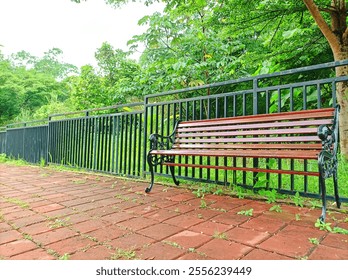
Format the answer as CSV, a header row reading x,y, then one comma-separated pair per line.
x,y
334,28
269,20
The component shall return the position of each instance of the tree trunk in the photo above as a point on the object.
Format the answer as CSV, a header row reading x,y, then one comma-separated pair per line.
x,y
337,36
342,100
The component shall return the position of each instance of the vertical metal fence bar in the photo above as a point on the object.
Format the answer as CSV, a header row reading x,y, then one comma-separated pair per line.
x,y
140,135
117,149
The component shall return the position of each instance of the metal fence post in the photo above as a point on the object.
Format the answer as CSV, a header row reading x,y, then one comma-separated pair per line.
x,y
146,100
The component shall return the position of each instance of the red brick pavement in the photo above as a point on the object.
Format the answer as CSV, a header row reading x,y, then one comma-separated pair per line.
x,y
49,214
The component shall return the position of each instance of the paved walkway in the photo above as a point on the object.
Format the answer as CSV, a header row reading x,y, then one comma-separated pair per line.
x,y
49,214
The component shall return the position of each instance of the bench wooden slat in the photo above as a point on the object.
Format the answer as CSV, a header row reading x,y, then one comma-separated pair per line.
x,y
277,171
249,146
218,132
250,140
297,115
316,123
289,154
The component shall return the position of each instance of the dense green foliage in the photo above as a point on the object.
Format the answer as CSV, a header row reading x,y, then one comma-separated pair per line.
x,y
191,43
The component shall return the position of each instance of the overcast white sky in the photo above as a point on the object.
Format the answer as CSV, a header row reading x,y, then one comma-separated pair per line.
x,y
77,29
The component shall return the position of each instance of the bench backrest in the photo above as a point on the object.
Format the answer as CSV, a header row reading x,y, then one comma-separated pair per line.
x,y
288,130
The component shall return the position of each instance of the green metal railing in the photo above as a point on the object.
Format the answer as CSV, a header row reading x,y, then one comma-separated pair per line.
x,y
115,139
110,143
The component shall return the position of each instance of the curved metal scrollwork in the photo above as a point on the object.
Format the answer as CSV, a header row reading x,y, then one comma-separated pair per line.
x,y
157,160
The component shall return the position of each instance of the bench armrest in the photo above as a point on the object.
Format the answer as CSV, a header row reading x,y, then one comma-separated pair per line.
x,y
327,158
160,142
329,135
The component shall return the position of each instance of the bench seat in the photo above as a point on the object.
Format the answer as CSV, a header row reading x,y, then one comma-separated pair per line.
x,y
300,135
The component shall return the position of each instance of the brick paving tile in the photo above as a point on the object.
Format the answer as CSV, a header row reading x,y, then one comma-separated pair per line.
x,y
77,218
40,203
287,241
74,202
284,216
131,241
142,209
144,199
258,254
231,218
37,228
26,221
181,208
339,241
184,221
48,208
85,207
328,253
160,251
343,225
53,236
264,224
10,209
169,204
161,215
95,253
16,247
194,256
71,245
117,217
227,204
127,204
106,201
55,195
61,212
182,197
4,227
102,211
9,236
164,192
220,249
89,225
37,254
205,214
137,223
247,236
209,228
188,239
18,214
107,233
160,231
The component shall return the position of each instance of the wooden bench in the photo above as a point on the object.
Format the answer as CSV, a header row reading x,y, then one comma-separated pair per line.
x,y
299,135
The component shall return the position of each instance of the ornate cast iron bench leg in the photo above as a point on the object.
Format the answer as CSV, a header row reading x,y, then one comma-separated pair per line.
x,y
337,197
149,161
173,173
323,192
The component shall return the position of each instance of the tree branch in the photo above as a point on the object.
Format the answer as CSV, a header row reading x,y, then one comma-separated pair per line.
x,y
322,24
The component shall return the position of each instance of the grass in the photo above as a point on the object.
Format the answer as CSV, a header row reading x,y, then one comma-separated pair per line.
x,y
18,202
124,255
57,223
232,179
276,208
220,235
248,212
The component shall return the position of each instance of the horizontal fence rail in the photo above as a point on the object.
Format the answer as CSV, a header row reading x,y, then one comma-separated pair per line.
x,y
114,139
